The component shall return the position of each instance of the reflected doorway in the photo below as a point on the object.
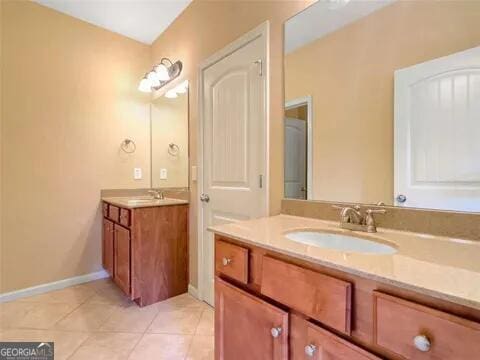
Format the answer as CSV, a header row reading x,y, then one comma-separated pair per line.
x,y
298,149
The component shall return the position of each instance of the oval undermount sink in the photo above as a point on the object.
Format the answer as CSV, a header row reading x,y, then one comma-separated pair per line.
x,y
341,242
152,201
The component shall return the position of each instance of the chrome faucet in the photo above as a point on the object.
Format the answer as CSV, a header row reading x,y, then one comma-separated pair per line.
x,y
351,218
157,194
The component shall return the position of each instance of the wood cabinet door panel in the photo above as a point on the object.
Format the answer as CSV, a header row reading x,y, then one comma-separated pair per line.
x,y
231,260
122,258
322,345
243,325
113,213
319,296
398,322
107,246
125,217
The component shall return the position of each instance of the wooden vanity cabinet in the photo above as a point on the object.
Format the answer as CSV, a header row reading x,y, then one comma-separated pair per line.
x,y
145,250
331,315
121,255
248,327
107,245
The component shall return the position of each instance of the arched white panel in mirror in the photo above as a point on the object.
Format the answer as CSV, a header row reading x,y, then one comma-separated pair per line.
x,y
169,137
394,103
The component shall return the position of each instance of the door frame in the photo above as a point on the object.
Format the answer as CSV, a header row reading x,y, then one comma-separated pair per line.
x,y
261,31
305,100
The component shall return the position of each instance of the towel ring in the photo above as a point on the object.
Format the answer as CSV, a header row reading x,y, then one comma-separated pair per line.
x,y
128,146
173,149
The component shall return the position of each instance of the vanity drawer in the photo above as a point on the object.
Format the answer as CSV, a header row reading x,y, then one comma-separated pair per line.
x,y
322,344
105,209
316,295
231,260
125,217
113,213
398,323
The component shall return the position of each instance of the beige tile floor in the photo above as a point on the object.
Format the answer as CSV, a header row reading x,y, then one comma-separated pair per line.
x,y
96,321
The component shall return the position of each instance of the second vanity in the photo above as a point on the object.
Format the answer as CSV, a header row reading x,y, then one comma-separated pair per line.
x,y
145,246
277,298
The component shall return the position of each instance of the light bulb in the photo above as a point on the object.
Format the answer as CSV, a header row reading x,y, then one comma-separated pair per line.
x,y
171,94
182,87
153,77
162,72
145,85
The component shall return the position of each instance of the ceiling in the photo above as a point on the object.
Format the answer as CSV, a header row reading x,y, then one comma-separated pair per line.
x,y
142,20
326,16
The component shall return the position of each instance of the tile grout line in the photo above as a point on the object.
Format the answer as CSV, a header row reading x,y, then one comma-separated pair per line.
x,y
144,332
194,333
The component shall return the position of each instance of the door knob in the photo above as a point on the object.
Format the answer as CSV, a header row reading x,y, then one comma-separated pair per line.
x,y
204,198
421,343
310,350
401,198
276,331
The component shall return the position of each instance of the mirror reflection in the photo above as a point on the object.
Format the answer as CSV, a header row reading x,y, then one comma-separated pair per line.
x,y
382,103
169,141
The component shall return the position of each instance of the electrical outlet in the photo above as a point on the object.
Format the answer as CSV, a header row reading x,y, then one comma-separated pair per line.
x,y
137,173
163,174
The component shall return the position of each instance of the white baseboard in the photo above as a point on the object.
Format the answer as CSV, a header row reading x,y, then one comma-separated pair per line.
x,y
193,291
56,285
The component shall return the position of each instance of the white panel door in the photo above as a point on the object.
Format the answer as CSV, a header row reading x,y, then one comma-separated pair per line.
x,y
234,149
437,132
295,158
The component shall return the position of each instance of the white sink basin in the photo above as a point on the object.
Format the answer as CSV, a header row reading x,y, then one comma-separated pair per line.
x,y
134,202
341,242
139,201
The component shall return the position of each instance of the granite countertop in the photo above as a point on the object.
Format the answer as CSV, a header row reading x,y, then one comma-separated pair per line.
x,y
440,267
133,202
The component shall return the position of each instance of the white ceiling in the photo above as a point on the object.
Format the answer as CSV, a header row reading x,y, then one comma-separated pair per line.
x,y
326,16
142,20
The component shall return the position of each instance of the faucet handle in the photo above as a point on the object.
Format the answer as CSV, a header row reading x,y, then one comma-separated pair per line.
x,y
375,211
370,221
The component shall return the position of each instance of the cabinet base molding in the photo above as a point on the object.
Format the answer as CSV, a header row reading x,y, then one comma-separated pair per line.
x,y
56,285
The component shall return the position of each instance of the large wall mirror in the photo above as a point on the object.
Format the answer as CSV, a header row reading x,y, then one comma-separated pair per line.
x,y
382,103
169,140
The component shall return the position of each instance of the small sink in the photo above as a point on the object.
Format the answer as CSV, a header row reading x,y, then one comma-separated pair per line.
x,y
340,242
153,201
140,201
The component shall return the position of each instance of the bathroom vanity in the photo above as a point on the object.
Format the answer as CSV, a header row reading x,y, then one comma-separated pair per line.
x,y
277,298
145,246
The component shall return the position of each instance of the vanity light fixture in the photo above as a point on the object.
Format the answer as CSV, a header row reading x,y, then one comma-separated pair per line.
x,y
179,89
171,94
160,75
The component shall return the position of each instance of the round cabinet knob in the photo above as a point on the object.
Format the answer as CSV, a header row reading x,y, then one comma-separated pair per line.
x,y
421,343
204,198
276,331
310,350
226,261
401,198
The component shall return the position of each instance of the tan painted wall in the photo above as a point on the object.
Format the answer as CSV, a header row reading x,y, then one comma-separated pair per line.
x,y
170,125
349,74
70,97
206,27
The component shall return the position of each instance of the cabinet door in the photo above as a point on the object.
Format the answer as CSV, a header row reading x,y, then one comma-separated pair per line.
x,y
323,345
122,258
247,327
107,246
